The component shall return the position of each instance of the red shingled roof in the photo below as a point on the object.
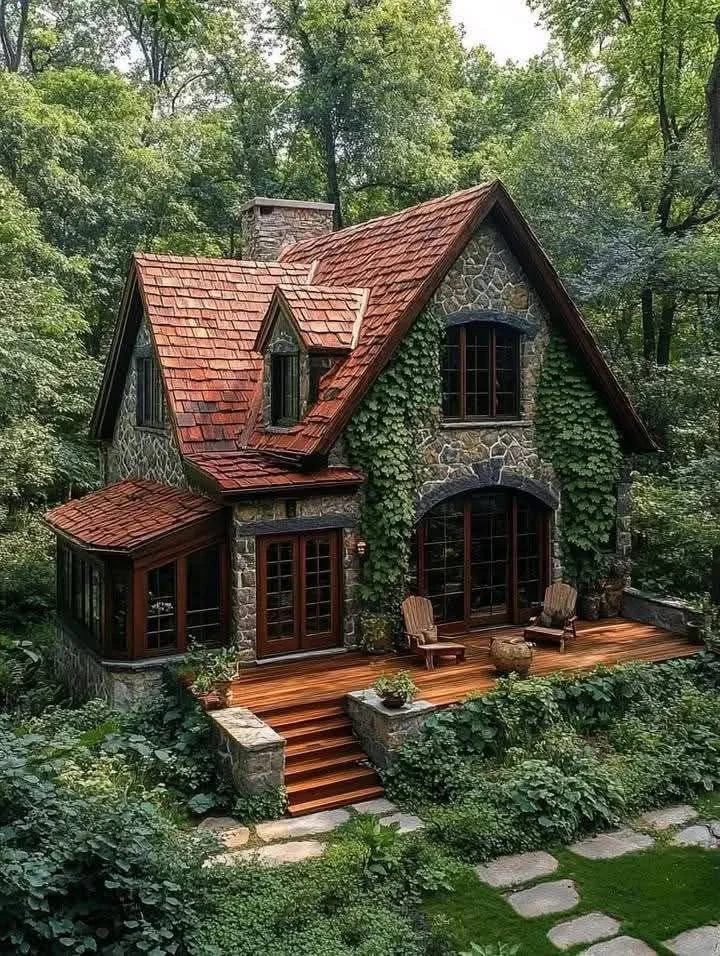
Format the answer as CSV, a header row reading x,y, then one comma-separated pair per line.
x,y
237,474
128,515
204,315
397,258
326,318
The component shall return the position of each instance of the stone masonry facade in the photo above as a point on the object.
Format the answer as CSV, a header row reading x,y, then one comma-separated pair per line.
x,y
150,453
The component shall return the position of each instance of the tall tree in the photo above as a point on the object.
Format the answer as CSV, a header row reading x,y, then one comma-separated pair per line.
x,y
14,15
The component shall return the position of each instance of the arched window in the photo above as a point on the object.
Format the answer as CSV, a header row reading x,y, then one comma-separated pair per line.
x,y
481,372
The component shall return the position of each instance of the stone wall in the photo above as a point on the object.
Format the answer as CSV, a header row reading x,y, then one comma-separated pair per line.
x,y
271,516
380,730
142,452
268,225
251,754
88,676
673,614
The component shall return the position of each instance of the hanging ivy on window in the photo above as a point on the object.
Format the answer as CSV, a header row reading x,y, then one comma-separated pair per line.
x,y
383,440
577,436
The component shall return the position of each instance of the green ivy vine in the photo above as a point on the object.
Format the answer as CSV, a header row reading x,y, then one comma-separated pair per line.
x,y
576,435
383,440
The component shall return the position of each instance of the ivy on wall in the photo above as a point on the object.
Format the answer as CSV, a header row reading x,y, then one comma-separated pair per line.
x,y
383,440
577,436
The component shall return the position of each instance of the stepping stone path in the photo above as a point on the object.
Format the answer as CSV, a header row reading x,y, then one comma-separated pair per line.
x,y
620,946
706,835
294,852
668,817
608,846
376,807
704,941
583,929
519,868
228,830
545,898
405,822
287,828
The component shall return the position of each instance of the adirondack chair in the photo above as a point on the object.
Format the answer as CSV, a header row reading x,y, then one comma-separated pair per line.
x,y
556,621
421,633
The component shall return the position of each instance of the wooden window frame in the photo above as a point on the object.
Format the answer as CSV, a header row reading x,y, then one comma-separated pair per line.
x,y
300,641
491,372
515,614
287,397
149,413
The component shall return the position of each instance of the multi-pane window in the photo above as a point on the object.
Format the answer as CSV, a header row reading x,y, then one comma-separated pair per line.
x,y
202,616
81,592
481,372
150,410
284,388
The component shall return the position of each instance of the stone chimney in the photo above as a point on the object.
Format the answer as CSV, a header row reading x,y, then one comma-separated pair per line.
x,y
268,225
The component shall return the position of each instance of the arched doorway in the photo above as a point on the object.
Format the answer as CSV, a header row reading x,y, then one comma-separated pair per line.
x,y
484,558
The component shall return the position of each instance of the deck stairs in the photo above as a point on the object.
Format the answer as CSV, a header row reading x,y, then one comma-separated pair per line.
x,y
325,766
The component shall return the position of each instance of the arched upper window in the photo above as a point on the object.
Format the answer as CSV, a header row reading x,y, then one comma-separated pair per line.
x,y
481,372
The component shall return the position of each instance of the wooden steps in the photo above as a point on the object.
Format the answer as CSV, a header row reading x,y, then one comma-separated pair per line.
x,y
325,766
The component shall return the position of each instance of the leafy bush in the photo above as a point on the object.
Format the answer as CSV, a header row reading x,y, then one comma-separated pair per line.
x,y
253,808
26,680
27,572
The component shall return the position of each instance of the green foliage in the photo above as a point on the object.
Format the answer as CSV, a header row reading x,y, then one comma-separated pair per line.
x,y
576,435
256,807
396,685
26,683
383,441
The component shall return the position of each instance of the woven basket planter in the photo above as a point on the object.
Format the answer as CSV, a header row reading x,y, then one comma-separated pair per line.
x,y
512,655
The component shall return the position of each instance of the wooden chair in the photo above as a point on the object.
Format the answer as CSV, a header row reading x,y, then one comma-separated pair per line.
x,y
559,603
418,617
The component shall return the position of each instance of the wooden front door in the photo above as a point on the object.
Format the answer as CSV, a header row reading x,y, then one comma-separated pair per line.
x,y
483,558
299,593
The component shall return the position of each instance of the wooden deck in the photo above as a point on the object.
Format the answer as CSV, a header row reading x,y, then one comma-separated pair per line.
x,y
268,687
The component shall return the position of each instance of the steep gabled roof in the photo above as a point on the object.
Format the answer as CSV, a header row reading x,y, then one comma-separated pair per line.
x,y
402,259
327,319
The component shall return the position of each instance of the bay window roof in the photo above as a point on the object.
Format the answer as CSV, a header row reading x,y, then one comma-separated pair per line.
x,y
126,516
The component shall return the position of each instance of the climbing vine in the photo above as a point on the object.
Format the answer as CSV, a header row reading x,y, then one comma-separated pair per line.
x,y
577,436
383,440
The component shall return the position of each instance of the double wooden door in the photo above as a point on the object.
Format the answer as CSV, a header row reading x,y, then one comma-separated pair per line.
x,y
483,558
299,593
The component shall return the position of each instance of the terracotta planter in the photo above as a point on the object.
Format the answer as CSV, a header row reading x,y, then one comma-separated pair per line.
x,y
211,701
394,701
512,655
223,689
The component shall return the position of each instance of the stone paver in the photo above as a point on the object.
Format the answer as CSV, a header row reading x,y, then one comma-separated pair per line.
x,y
669,817
516,869
555,897
406,822
620,946
377,807
700,834
278,853
231,833
704,941
218,824
608,846
233,839
286,828
583,929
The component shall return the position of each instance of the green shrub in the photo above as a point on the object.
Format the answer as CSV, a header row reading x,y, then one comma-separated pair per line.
x,y
253,808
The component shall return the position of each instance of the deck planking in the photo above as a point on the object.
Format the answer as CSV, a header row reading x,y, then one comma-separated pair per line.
x,y
271,687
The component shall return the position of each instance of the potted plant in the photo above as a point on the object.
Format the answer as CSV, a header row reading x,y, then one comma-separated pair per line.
x,y
396,690
377,633
216,674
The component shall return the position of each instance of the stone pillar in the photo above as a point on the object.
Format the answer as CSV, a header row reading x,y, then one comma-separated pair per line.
x,y
268,225
380,730
250,752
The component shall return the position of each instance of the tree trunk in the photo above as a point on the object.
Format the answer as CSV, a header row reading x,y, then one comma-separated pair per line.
x,y
13,51
665,327
712,97
333,186
648,324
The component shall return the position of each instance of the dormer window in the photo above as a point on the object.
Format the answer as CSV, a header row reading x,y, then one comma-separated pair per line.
x,y
150,409
481,372
284,388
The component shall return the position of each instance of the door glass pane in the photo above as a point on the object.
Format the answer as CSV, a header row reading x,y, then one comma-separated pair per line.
x,y
161,607
203,596
318,586
489,554
529,543
280,599
444,561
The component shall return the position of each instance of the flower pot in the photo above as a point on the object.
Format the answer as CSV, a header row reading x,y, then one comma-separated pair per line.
x,y
694,632
512,655
394,701
590,607
223,690
211,701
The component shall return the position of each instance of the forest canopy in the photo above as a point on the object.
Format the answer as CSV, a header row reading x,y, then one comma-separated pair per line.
x,y
145,124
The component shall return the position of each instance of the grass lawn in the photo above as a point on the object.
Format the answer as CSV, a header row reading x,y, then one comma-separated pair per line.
x,y
656,894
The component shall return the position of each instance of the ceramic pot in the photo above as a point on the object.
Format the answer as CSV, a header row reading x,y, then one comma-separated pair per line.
x,y
512,655
590,607
394,701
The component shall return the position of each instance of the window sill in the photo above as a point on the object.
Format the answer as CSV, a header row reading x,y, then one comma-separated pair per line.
x,y
487,423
